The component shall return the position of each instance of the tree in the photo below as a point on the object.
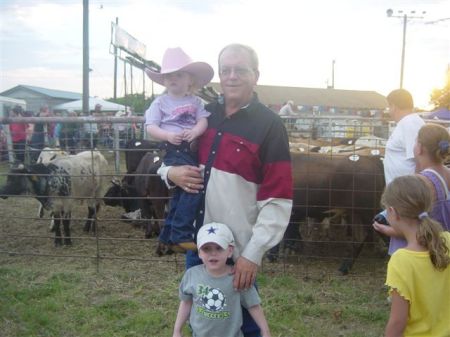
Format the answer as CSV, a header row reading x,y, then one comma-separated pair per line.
x,y
441,97
137,102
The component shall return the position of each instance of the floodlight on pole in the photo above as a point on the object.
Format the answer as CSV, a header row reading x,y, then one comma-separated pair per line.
x,y
405,17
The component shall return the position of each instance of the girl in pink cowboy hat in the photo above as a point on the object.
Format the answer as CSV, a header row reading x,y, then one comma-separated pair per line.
x,y
177,118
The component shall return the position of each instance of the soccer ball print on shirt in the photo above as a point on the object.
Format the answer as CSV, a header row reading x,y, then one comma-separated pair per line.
x,y
211,302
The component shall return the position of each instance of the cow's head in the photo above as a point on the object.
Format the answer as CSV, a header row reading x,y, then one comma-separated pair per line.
x,y
18,181
114,193
120,193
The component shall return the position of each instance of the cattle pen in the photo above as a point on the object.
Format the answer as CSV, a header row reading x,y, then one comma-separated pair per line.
x,y
329,228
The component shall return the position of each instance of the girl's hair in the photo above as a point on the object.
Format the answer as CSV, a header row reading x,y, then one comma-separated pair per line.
x,y
436,139
411,197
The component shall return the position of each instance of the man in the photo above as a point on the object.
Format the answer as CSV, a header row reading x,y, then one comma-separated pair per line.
x,y
399,155
287,109
247,180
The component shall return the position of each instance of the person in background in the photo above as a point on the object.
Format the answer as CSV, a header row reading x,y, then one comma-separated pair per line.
x,y
207,296
178,118
90,132
42,135
20,132
399,154
66,133
431,150
245,174
418,275
287,109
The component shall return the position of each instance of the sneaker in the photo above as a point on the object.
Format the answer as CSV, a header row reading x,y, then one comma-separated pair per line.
x,y
185,246
135,215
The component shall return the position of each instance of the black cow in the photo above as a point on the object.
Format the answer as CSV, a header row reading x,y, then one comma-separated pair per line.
x,y
347,186
59,184
141,188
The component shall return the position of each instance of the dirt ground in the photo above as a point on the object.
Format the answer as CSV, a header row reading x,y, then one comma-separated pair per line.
x,y
23,233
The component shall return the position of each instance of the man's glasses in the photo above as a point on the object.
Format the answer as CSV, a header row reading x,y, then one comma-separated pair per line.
x,y
238,71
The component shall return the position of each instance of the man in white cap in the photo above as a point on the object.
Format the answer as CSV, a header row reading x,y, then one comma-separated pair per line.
x,y
207,296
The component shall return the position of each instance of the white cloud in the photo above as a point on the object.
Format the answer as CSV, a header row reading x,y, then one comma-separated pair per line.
x,y
296,41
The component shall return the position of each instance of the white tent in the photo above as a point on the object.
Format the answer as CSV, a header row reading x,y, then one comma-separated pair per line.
x,y
93,101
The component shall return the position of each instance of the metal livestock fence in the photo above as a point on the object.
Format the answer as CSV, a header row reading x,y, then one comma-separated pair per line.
x,y
331,239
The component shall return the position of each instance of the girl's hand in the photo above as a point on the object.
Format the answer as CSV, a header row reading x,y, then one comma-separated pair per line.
x,y
189,135
175,138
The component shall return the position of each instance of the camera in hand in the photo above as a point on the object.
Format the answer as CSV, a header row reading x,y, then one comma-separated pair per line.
x,y
381,218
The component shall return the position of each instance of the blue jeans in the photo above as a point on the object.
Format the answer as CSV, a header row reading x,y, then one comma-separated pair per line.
x,y
178,226
249,327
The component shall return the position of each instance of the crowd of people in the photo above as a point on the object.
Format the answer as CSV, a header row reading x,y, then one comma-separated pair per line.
x,y
28,139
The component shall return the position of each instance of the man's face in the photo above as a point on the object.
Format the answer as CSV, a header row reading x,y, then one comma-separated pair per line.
x,y
237,77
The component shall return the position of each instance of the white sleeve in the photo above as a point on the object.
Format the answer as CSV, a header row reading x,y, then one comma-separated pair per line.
x,y
163,171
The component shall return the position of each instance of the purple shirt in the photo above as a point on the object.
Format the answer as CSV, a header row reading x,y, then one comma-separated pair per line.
x,y
175,114
440,211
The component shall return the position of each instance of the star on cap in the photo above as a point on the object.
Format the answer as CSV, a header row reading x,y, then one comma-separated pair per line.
x,y
212,230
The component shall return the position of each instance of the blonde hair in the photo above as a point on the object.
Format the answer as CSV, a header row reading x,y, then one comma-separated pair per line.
x,y
411,197
436,140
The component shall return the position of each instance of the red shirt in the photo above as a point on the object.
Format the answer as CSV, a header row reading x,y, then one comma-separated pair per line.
x,y
18,131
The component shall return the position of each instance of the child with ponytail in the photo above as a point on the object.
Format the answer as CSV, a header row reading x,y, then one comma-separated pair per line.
x,y
431,152
418,275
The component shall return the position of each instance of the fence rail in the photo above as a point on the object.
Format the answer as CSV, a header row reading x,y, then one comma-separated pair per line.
x,y
23,234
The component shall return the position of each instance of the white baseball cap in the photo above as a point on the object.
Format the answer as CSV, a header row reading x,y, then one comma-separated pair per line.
x,y
217,233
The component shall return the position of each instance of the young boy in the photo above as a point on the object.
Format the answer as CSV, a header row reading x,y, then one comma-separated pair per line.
x,y
207,296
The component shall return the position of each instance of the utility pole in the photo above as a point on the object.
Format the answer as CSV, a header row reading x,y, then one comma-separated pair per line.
x,y
332,74
405,18
115,65
86,57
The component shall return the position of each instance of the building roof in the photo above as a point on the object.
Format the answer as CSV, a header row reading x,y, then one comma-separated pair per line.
x,y
44,91
93,101
338,98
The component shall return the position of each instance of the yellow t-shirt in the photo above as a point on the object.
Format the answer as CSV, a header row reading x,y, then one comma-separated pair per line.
x,y
425,288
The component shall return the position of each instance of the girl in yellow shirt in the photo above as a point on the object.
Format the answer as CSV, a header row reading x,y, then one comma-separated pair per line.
x,y
418,275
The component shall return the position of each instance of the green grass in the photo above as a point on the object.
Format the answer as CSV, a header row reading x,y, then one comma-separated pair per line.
x,y
53,299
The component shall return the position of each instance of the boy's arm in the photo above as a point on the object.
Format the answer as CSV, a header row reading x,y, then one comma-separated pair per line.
x,y
399,316
197,130
183,314
258,315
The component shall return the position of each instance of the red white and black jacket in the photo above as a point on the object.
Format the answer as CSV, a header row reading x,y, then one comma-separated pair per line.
x,y
248,176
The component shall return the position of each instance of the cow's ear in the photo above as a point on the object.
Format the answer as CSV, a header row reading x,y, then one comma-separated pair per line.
x,y
116,181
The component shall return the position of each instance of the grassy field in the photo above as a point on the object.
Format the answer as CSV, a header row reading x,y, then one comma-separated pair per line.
x,y
112,284
67,297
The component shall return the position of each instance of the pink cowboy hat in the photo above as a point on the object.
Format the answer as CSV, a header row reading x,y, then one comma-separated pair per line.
x,y
176,59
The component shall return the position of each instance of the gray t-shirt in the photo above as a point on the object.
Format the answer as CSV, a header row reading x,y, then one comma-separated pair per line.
x,y
216,306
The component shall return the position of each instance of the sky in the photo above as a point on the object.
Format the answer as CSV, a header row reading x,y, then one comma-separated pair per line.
x,y
41,42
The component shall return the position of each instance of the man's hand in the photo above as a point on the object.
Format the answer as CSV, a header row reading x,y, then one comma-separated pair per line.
x,y
244,273
189,178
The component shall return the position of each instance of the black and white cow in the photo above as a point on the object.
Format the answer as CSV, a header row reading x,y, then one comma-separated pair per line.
x,y
60,184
